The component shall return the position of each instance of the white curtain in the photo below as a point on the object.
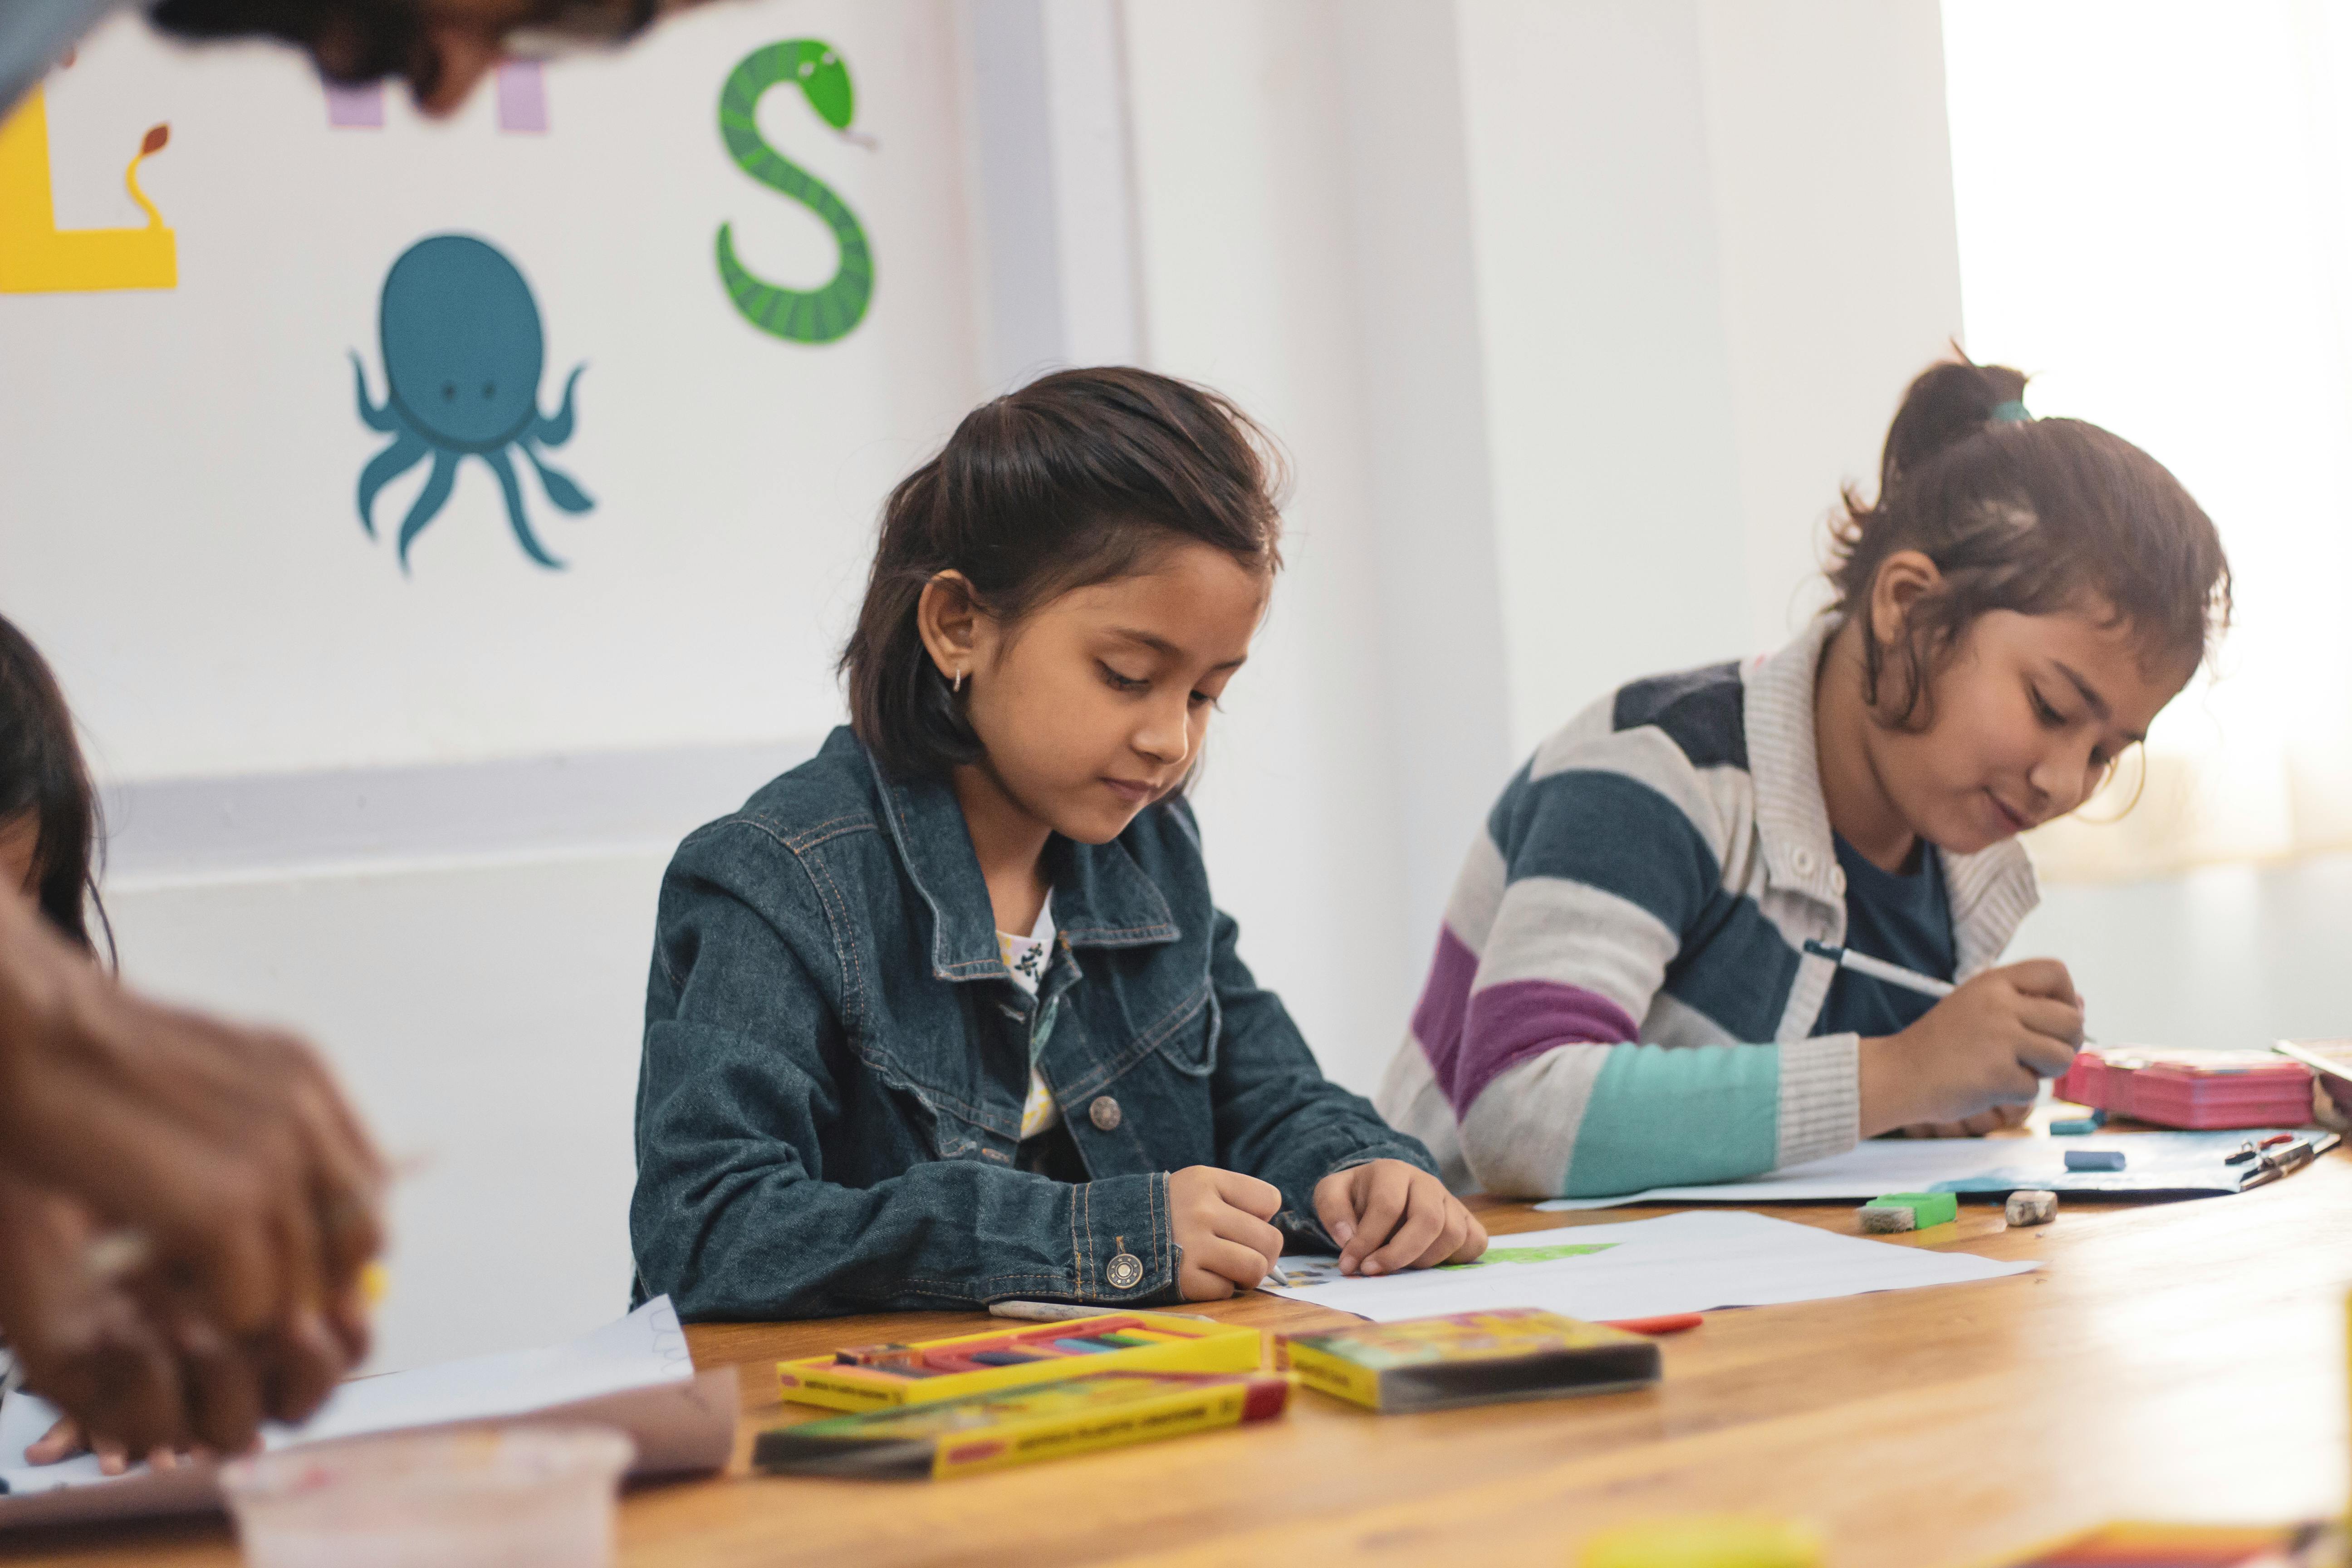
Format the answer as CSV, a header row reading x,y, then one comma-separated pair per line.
x,y
2155,207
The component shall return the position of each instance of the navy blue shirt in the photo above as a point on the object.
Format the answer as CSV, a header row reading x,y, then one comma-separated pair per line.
x,y
1902,917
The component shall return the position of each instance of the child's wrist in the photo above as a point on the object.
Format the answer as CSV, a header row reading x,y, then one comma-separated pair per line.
x,y
1887,1093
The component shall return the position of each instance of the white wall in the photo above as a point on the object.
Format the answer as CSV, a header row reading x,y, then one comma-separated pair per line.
x,y
1715,240
2229,958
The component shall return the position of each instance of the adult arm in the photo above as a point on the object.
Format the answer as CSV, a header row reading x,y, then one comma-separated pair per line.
x,y
227,1149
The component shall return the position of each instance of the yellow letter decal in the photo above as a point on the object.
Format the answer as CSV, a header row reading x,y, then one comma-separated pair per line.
x,y
37,256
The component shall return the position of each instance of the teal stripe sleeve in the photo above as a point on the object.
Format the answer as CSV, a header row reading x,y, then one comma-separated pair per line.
x,y
1669,1118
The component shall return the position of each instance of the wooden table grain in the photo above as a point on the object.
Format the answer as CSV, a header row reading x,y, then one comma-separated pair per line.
x,y
2179,1361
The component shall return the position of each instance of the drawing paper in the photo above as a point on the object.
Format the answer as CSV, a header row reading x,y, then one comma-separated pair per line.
x,y
1646,1268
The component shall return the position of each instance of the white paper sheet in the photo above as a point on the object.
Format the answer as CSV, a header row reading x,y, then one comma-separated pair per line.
x,y
636,1373
1646,1268
2174,1164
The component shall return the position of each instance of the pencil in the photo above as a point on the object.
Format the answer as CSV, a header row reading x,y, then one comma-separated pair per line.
x,y
1879,969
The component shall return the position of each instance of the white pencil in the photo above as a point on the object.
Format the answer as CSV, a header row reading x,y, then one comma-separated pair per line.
x,y
1879,969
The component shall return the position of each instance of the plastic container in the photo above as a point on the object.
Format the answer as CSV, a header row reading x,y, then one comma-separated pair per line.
x,y
522,1496
2202,1090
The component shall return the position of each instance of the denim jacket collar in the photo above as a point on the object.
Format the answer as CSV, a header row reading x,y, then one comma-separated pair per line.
x,y
1101,898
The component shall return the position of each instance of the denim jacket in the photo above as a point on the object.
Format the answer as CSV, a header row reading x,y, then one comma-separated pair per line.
x,y
835,1061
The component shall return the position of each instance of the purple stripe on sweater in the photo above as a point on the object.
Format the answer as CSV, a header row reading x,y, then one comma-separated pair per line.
x,y
1506,1024
1437,1021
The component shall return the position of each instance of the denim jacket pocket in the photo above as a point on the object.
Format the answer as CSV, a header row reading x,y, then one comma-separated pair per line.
x,y
1188,1038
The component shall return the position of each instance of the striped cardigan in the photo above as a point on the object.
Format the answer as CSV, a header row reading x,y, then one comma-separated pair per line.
x,y
1632,921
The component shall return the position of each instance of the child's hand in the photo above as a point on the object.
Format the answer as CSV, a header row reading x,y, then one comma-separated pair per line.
x,y
1975,1126
1387,1216
1989,1043
1220,1223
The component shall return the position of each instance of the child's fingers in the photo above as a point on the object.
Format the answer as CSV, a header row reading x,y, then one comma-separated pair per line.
x,y
62,1441
1237,1226
1380,1209
1452,1225
1249,1195
1424,1217
1230,1260
2042,977
1473,1245
1335,1205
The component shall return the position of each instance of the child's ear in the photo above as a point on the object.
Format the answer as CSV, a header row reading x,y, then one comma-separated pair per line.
x,y
1903,578
948,619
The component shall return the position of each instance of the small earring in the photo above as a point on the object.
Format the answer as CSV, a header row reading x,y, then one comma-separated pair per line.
x,y
958,687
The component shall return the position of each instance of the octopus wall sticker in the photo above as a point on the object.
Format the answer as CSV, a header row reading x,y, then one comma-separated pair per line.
x,y
802,315
463,354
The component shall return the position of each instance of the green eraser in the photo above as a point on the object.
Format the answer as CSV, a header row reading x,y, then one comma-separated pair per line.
x,y
1927,1208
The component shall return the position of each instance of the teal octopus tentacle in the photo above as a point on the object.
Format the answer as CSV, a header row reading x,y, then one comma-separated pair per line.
x,y
558,484
503,467
388,464
381,420
554,430
429,502
809,316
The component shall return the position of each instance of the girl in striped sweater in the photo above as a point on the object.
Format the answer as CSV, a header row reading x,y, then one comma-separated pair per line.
x,y
1622,995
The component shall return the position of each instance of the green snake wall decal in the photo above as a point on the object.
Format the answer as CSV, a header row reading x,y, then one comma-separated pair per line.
x,y
805,316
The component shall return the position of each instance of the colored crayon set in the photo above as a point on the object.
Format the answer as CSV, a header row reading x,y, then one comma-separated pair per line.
x,y
990,1431
875,1377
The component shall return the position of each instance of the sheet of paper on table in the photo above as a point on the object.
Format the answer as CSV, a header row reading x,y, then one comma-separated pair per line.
x,y
1644,1269
2157,1165
636,1373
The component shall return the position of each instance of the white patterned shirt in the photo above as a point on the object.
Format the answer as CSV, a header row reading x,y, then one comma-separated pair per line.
x,y
1026,958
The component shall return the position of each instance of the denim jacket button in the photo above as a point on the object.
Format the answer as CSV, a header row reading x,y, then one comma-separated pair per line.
x,y
1126,1270
1106,1115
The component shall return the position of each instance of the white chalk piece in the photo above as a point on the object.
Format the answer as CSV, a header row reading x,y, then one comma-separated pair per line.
x,y
2032,1209
1878,1221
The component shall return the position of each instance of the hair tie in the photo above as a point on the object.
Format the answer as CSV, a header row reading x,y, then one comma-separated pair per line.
x,y
2012,412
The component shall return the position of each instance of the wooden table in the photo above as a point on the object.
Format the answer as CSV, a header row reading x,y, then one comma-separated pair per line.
x,y
2182,1361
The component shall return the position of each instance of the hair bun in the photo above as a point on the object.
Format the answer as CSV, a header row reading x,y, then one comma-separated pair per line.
x,y
1947,404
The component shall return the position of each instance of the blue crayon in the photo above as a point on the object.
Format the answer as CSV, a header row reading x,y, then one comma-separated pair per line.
x,y
2094,1159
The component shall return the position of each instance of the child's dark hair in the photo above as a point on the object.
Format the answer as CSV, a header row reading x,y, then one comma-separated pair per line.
x,y
1079,478
2037,516
42,775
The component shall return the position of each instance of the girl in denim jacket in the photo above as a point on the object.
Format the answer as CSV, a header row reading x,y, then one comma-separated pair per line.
x,y
946,1015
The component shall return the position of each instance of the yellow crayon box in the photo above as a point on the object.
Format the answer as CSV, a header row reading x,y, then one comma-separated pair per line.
x,y
1469,1358
878,1377
1021,1425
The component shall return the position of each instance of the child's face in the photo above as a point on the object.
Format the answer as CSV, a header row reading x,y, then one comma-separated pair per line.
x,y
2029,714
1094,705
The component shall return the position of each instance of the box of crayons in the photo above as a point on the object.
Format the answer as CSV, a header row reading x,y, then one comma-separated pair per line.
x,y
1022,1426
876,1377
1469,1358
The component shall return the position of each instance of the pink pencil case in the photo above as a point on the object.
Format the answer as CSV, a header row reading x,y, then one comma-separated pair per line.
x,y
2190,1089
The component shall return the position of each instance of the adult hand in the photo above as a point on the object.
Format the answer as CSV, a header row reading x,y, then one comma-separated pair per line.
x,y
1988,1044
1223,1223
1386,1216
228,1149
135,1372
